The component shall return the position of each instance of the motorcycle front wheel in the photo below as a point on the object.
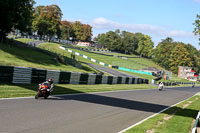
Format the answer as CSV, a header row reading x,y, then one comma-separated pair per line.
x,y
37,95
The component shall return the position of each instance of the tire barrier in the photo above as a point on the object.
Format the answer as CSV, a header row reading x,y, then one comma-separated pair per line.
x,y
6,74
196,124
25,75
176,83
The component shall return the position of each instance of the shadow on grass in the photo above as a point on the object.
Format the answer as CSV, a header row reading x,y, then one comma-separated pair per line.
x,y
28,54
112,101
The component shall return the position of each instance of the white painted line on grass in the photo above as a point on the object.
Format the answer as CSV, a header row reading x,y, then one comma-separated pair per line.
x,y
152,116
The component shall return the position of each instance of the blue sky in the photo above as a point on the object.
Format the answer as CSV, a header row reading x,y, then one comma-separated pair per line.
x,y
156,18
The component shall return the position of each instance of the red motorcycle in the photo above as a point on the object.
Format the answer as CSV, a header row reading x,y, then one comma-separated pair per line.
x,y
43,91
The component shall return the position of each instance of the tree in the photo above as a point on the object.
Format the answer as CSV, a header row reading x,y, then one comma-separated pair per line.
x,y
197,27
86,33
82,32
129,42
113,40
162,52
67,30
77,29
145,47
179,57
195,56
47,20
16,14
167,40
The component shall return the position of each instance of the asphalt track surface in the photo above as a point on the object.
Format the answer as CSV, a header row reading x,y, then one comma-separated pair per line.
x,y
35,43
108,112
110,71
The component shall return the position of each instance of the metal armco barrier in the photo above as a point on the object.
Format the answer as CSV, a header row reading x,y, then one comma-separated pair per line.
x,y
197,124
22,75
55,74
25,75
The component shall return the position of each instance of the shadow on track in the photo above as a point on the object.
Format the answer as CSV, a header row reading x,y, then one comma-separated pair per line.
x,y
111,101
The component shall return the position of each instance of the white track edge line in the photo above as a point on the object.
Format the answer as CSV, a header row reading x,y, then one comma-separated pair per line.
x,y
153,115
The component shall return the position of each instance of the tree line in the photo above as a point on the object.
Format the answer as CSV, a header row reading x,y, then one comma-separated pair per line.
x,y
167,53
170,55
127,42
45,21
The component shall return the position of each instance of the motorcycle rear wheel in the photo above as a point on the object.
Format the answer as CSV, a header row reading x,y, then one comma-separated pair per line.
x,y
46,96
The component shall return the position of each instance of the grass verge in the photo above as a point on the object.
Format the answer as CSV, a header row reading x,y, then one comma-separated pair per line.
x,y
177,119
18,90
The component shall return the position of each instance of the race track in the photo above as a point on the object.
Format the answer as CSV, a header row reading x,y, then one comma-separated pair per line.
x,y
108,112
110,70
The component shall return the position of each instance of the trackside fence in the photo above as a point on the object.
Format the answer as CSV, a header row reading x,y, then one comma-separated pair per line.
x,y
25,75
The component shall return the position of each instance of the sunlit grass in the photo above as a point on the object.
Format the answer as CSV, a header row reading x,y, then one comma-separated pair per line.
x,y
179,119
18,90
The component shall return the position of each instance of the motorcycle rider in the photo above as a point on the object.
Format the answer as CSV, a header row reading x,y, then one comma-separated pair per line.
x,y
161,86
50,84
193,85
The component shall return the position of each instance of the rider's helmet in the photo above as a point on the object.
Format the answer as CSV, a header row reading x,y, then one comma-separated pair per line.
x,y
50,80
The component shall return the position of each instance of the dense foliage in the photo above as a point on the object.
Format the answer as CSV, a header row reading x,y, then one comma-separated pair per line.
x,y
47,20
127,42
15,14
82,32
170,55
197,27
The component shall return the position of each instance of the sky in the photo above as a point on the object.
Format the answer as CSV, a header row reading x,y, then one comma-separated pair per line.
x,y
157,18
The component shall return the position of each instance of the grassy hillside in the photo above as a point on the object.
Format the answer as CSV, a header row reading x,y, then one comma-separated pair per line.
x,y
14,55
53,47
133,63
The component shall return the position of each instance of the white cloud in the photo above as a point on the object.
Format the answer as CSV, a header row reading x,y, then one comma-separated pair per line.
x,y
105,24
197,1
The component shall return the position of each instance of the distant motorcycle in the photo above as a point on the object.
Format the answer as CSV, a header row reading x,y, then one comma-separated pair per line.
x,y
160,88
193,85
43,91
